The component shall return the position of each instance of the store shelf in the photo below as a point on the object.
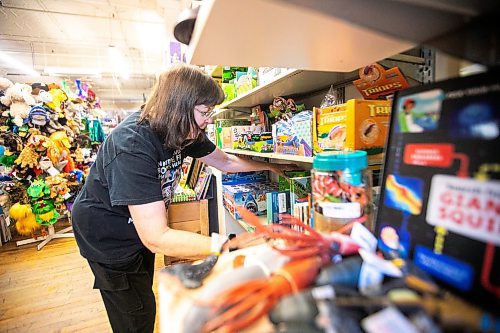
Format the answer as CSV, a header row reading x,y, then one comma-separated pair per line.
x,y
292,81
251,228
293,158
332,35
284,35
216,72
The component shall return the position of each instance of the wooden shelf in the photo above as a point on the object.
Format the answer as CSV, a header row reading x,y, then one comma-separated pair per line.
x,y
270,155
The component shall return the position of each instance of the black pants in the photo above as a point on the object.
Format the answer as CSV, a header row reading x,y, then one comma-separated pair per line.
x,y
126,290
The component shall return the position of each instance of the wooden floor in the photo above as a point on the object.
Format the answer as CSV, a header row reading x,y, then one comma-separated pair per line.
x,y
50,290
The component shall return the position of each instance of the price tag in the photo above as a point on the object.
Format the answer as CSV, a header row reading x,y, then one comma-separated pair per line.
x,y
383,266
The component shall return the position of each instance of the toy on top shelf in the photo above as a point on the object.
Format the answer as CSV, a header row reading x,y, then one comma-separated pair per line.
x,y
294,136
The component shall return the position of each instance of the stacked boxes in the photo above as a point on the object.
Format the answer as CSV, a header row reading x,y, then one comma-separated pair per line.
x,y
251,196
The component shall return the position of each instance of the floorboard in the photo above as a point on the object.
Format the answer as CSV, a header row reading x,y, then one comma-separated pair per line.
x,y
50,290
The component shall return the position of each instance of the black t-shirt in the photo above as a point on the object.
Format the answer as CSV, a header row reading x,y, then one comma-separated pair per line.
x,y
132,168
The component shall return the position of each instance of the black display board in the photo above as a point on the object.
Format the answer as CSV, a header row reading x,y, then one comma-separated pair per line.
x,y
440,195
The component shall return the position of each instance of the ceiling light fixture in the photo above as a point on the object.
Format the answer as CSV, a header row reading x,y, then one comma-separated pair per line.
x,y
58,71
17,64
118,60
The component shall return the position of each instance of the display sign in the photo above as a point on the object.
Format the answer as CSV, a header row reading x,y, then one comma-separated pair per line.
x,y
375,81
440,195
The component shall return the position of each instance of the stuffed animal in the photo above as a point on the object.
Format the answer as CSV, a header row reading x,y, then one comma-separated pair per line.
x,y
58,96
72,113
18,98
43,97
53,125
5,83
61,140
26,224
15,190
37,87
38,115
59,188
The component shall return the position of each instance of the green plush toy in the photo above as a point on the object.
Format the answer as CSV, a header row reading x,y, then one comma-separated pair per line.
x,y
8,161
38,189
42,205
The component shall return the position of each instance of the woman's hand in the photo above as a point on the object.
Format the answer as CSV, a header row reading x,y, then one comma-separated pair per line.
x,y
280,169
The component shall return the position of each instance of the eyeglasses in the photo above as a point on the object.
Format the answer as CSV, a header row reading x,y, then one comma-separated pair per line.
x,y
208,113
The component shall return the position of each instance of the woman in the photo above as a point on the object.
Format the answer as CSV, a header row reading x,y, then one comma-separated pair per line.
x,y
120,216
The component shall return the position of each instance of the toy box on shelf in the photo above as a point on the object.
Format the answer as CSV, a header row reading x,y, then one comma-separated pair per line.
x,y
278,204
245,81
246,189
300,186
440,197
294,136
223,131
251,196
356,124
246,140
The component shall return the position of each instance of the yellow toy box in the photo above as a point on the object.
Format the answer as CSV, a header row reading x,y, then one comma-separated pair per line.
x,y
356,124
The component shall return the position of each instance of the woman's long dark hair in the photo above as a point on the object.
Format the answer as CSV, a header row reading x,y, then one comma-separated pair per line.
x,y
170,107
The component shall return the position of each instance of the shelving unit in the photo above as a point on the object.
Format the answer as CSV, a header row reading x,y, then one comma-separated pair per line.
x,y
327,40
337,36
292,81
294,158
313,40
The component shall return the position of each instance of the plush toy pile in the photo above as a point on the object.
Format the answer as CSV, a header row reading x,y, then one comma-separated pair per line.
x,y
45,150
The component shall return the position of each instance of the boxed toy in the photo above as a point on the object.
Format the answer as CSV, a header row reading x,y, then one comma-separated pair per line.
x,y
440,196
258,142
356,124
375,81
240,135
251,196
284,182
294,136
245,81
223,131
229,90
229,73
278,204
244,177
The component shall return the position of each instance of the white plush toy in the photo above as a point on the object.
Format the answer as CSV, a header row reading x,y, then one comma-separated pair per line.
x,y
43,97
5,83
18,97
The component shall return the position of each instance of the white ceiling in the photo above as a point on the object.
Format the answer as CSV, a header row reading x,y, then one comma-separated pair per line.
x,y
76,35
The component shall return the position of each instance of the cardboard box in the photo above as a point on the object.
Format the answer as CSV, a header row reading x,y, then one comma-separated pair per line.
x,y
258,142
356,124
251,196
223,131
244,177
278,204
440,198
294,137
